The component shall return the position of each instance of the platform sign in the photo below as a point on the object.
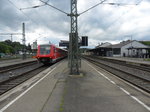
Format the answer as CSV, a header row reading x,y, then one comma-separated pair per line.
x,y
64,44
84,41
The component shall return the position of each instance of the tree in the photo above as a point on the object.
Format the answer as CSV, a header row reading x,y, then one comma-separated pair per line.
x,y
17,46
8,42
8,47
5,48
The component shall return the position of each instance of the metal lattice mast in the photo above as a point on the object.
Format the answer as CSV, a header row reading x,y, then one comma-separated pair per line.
x,y
74,59
23,41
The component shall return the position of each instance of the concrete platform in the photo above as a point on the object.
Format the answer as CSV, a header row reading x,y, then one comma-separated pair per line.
x,y
133,60
55,91
4,63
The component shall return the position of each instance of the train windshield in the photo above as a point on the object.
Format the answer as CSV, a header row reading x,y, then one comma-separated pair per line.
x,y
45,49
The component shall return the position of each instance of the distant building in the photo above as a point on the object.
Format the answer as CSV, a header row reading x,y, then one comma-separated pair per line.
x,y
102,50
123,49
34,45
104,44
129,48
34,49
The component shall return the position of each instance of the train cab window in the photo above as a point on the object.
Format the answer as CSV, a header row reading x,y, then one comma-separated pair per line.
x,y
45,49
55,50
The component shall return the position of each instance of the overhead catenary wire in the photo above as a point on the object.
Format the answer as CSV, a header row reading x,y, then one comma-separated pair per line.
x,y
36,6
116,20
54,7
68,13
42,18
119,4
23,12
123,4
102,2
46,3
92,7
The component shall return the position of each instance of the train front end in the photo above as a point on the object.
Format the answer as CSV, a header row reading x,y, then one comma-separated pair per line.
x,y
44,54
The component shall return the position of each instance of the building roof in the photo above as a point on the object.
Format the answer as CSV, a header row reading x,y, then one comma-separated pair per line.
x,y
121,44
104,45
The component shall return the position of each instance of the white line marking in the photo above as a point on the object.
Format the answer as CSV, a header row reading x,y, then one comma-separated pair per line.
x,y
125,91
129,84
113,82
136,99
10,103
101,73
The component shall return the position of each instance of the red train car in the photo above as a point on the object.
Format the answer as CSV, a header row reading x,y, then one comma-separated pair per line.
x,y
50,53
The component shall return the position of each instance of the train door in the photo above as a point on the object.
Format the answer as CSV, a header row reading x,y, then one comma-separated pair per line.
x,y
55,53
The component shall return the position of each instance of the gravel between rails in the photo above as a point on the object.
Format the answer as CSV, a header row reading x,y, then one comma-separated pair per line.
x,y
16,66
13,81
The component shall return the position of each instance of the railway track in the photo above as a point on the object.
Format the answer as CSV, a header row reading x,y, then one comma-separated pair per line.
x,y
16,66
20,74
128,72
140,66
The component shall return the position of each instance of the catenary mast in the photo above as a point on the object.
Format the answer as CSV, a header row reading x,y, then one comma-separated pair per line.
x,y
74,57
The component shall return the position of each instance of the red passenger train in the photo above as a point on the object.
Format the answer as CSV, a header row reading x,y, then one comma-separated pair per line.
x,y
49,53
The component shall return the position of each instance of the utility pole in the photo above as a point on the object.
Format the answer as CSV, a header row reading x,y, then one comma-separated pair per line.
x,y
74,59
23,42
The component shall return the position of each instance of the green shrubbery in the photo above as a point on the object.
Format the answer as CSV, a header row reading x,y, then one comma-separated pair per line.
x,y
9,47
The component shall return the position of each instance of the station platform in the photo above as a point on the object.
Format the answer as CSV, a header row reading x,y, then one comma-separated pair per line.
x,y
4,63
94,90
133,60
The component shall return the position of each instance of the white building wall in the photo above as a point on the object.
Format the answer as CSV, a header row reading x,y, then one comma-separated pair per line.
x,y
134,44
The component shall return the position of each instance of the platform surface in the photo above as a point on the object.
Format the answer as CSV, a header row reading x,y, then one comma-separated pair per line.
x,y
95,91
4,63
133,60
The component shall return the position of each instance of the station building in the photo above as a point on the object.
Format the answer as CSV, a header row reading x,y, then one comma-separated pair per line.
x,y
123,49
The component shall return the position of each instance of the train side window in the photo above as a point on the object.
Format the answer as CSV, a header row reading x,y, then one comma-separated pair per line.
x,y
55,50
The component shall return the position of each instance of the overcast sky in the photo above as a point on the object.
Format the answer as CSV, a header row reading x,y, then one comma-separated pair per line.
x,y
105,23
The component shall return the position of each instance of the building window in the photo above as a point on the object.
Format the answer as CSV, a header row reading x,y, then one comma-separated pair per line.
x,y
116,51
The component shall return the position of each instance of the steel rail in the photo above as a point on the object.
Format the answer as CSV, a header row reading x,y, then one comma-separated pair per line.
x,y
140,66
12,82
135,80
16,66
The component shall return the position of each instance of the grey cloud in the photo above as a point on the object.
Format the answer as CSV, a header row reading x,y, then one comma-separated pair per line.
x,y
9,17
99,24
